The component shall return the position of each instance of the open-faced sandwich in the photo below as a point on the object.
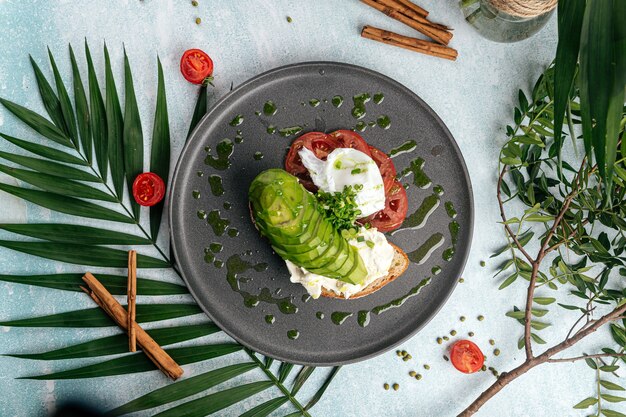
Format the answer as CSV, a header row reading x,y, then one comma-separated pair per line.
x,y
326,213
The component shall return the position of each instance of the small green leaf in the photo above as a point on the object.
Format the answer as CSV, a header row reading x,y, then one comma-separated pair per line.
x,y
183,389
83,254
97,117
537,339
539,325
45,151
68,205
116,344
116,284
591,363
284,370
160,154
610,385
115,127
39,124
66,105
215,402
199,111
48,97
53,168
612,398
611,413
508,281
96,317
320,392
72,233
619,335
82,109
139,362
586,403
57,185
516,314
544,301
132,135
609,368
539,218
265,409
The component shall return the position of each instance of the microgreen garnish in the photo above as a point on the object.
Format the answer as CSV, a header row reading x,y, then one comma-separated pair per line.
x,y
340,208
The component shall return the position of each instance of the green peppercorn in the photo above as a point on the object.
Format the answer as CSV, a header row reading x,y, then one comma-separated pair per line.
x,y
289,19
495,373
426,366
386,386
492,342
462,318
481,318
483,368
399,353
418,377
412,373
409,356
396,387
461,280
404,353
452,332
496,352
483,263
446,338
198,20
405,359
439,340
445,358
194,3
471,334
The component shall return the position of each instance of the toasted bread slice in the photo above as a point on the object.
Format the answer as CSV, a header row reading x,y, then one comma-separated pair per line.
x,y
399,264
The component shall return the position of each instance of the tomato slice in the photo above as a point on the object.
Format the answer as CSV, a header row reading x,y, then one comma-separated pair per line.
x,y
319,143
466,356
196,66
385,165
148,189
394,213
350,139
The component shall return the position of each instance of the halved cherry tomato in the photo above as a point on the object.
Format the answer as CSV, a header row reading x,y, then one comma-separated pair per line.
x,y
148,189
196,66
350,139
466,356
394,213
385,166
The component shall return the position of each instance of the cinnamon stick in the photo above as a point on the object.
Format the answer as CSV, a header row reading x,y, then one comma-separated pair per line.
x,y
412,44
414,7
439,35
153,351
132,297
405,10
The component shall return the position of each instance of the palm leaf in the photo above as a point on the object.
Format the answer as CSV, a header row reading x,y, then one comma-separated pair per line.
x,y
83,254
139,362
132,136
97,117
570,18
265,409
115,128
160,154
118,343
301,378
96,317
283,371
116,284
215,402
320,392
199,111
66,105
50,167
45,151
73,233
68,205
82,109
50,101
57,185
183,389
38,123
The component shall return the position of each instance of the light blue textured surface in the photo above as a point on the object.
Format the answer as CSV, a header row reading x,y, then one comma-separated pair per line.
x,y
474,96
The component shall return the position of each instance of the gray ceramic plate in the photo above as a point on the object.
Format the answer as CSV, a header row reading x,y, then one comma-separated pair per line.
x,y
243,314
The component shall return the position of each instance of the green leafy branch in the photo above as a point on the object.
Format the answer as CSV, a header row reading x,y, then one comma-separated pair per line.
x,y
564,216
84,161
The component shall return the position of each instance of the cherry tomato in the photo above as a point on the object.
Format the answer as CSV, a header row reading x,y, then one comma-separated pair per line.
x,y
385,165
148,189
350,139
319,143
196,66
466,356
394,213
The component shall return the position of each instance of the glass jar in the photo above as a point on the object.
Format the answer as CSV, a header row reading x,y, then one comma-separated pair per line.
x,y
508,20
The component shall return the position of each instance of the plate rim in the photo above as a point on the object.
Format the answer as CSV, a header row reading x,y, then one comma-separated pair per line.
x,y
206,119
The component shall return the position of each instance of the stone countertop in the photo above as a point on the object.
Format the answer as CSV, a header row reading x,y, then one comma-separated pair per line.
x,y
474,96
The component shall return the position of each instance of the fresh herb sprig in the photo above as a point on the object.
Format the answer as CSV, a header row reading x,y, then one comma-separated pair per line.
x,y
340,208
580,234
